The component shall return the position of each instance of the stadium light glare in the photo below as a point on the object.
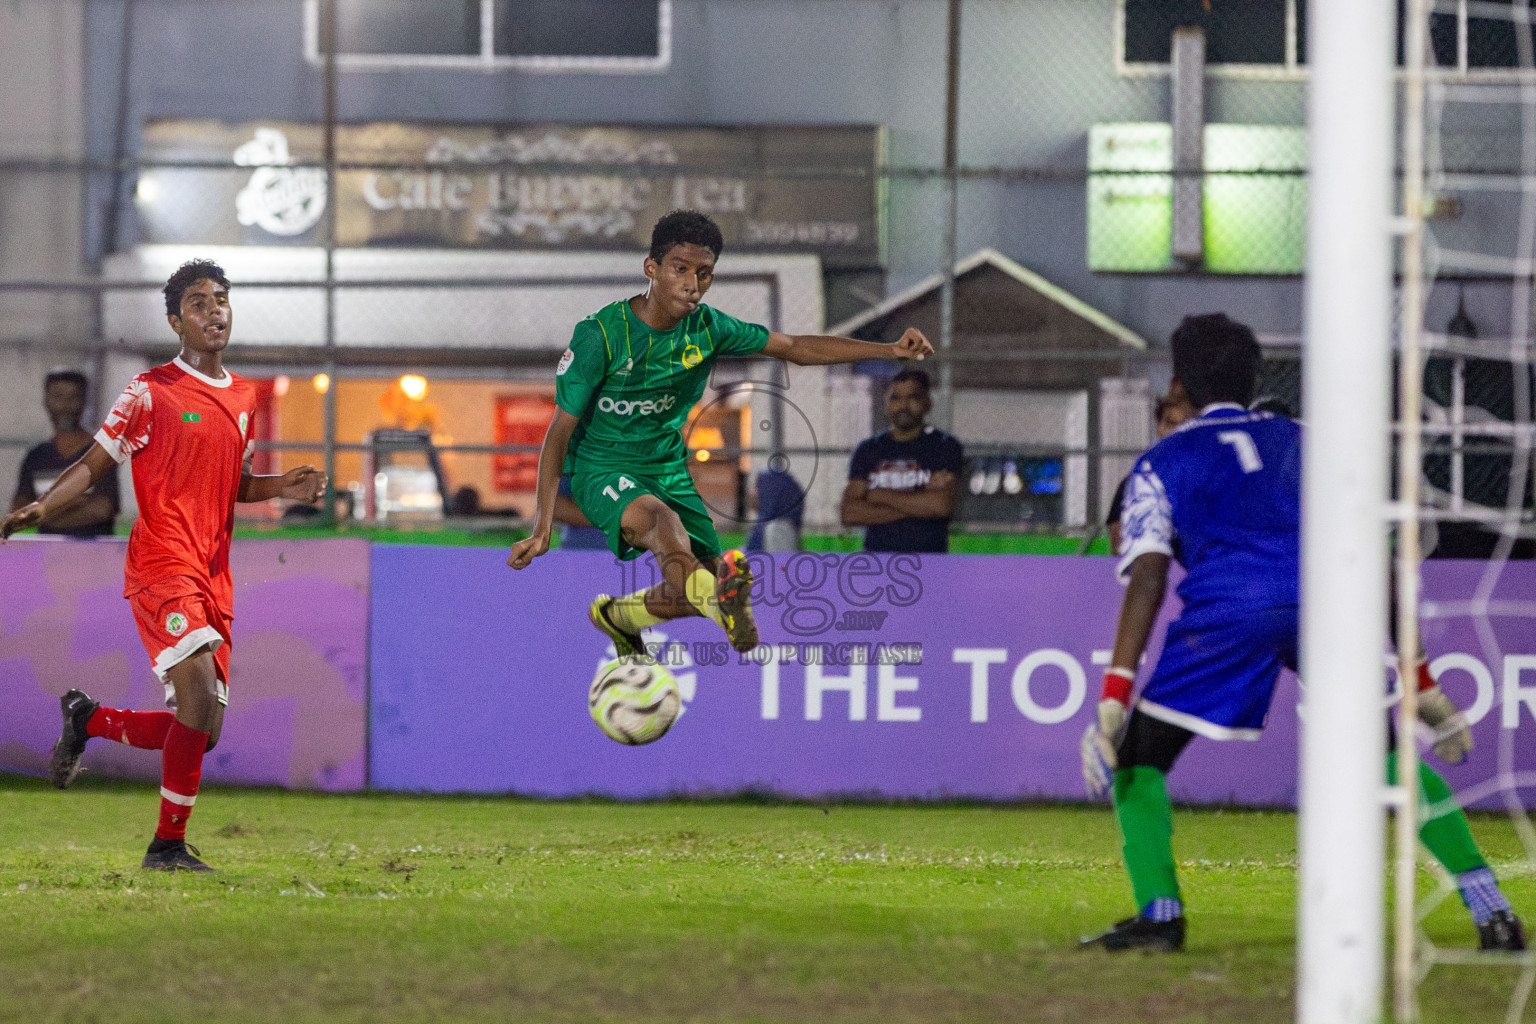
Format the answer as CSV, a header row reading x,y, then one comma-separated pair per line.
x,y
414,386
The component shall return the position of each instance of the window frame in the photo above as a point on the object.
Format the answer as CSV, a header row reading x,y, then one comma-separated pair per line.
x,y
1293,71
1290,71
487,59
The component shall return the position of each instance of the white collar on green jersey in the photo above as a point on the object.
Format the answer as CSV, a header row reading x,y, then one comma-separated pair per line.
x,y
223,382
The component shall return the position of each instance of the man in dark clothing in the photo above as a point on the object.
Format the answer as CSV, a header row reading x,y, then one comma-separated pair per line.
x,y
780,509
64,394
902,482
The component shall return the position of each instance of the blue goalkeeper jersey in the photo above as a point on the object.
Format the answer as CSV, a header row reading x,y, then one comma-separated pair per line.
x,y
1222,495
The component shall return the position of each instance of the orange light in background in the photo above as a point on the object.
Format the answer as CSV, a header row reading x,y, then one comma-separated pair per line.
x,y
322,382
414,387
702,455
280,385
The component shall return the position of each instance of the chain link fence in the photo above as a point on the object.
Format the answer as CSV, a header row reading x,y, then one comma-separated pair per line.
x,y
384,216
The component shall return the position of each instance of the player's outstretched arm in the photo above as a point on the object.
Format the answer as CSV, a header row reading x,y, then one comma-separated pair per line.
x,y
826,349
75,481
557,440
302,483
89,511
1138,611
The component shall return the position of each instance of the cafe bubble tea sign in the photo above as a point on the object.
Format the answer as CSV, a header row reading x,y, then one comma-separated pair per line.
x,y
773,189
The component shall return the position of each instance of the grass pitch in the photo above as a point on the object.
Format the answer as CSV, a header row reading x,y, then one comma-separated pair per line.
x,y
386,908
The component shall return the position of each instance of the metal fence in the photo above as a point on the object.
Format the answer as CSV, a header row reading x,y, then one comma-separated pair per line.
x,y
373,235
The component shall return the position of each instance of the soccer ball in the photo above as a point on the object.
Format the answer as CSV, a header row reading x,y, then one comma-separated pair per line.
x,y
634,700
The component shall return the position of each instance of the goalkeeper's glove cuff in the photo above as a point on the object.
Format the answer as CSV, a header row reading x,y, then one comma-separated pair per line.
x,y
1117,685
1103,734
1453,737
1435,707
1426,681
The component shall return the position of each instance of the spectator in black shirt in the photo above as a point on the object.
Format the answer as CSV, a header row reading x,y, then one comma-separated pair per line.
x,y
93,514
902,482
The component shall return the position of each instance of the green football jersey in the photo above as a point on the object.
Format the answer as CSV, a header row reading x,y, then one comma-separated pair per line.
x,y
632,387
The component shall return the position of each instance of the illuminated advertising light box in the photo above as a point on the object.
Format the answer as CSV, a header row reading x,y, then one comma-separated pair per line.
x,y
1130,215
1255,198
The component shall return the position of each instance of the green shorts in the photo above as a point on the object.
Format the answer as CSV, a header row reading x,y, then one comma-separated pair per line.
x,y
604,494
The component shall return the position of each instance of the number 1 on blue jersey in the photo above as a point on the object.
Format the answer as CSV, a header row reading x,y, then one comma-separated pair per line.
x,y
1247,452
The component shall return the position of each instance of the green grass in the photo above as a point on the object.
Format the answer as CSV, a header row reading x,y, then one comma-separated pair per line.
x,y
385,908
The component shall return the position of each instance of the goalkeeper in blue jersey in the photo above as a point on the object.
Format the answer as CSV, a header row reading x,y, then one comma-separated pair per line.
x,y
1222,494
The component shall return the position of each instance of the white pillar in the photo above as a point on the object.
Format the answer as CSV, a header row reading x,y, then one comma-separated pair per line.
x,y
1347,368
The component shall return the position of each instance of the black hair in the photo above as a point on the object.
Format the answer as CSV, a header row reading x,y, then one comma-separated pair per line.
x,y
685,227
75,377
186,275
918,377
1216,359
1273,405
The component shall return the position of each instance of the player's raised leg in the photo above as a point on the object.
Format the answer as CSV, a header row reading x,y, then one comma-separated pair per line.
x,y
689,586
194,731
734,591
85,719
1447,834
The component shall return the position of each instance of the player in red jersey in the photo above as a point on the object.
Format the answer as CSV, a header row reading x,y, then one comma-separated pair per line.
x,y
187,427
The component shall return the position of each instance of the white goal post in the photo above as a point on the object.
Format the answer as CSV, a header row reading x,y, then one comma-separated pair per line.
x,y
1347,368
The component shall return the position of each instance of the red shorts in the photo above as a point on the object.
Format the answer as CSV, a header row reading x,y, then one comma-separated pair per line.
x,y
178,617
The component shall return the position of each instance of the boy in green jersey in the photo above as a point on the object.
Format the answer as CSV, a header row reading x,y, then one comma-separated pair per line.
x,y
623,391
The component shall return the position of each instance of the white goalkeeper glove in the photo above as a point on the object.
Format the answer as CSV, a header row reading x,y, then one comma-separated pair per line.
x,y
1453,736
1102,736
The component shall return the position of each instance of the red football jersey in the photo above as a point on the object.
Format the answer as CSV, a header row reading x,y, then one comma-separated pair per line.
x,y
188,436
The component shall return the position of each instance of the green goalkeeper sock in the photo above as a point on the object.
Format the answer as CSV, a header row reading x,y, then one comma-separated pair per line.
x,y
1146,823
1447,835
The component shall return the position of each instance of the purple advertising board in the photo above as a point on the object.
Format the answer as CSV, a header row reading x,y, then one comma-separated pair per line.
x,y
298,683
909,677
915,677
977,678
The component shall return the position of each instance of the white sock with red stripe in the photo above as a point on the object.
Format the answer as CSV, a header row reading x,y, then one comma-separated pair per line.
x,y
181,769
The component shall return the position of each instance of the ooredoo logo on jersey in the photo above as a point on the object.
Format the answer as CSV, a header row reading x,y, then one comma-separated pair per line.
x,y
645,407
